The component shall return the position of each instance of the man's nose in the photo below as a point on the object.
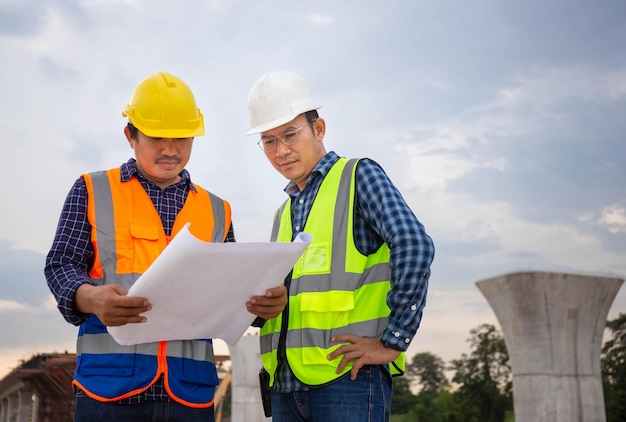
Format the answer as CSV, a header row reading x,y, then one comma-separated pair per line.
x,y
281,148
168,146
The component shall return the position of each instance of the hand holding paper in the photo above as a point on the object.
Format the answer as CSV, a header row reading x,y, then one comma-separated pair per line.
x,y
199,289
270,305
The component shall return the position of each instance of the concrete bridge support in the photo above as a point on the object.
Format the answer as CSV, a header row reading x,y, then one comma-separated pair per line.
x,y
18,405
246,396
553,324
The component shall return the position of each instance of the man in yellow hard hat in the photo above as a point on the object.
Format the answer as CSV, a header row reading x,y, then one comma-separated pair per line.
x,y
357,293
113,225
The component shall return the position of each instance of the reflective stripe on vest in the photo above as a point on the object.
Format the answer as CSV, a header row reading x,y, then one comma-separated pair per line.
x,y
334,288
127,236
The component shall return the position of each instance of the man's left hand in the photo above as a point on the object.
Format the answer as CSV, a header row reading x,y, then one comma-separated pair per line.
x,y
270,305
362,350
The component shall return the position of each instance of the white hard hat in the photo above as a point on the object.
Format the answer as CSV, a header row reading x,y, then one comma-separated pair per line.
x,y
277,98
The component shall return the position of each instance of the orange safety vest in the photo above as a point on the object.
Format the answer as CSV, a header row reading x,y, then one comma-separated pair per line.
x,y
127,236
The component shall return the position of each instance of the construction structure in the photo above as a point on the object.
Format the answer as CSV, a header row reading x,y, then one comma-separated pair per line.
x,y
553,326
40,389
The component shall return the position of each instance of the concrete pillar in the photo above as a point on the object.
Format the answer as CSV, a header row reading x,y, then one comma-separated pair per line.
x,y
4,409
25,400
14,406
246,395
553,324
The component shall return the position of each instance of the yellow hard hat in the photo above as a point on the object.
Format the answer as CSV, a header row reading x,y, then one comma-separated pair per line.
x,y
163,106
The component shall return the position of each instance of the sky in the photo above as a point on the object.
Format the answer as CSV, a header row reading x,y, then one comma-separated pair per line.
x,y
501,122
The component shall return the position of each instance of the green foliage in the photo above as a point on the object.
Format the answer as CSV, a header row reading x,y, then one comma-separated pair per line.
x,y
483,380
427,370
509,416
484,376
442,407
613,363
402,399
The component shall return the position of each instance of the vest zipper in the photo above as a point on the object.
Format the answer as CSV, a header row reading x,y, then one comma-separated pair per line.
x,y
161,359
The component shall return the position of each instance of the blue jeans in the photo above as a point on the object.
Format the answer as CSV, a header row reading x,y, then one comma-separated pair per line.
x,y
366,399
90,410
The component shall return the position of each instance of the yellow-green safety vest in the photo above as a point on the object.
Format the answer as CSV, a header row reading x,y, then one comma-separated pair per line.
x,y
334,289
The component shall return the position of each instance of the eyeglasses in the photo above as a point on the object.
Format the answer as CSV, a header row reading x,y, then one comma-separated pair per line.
x,y
288,137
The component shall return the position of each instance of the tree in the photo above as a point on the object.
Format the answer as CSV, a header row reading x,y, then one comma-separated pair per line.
x,y
427,370
484,376
402,398
613,363
442,407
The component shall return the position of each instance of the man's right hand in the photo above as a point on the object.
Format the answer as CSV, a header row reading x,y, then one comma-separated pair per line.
x,y
111,304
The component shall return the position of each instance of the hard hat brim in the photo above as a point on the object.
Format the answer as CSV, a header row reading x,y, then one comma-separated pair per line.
x,y
278,122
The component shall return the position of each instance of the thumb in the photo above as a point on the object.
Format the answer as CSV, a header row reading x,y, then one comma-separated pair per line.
x,y
275,291
119,289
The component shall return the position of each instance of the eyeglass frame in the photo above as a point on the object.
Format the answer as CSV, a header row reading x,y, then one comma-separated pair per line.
x,y
282,138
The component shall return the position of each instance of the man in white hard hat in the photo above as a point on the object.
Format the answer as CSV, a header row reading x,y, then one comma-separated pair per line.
x,y
113,225
357,293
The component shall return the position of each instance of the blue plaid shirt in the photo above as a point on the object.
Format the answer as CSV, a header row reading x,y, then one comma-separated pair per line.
x,y
72,254
381,215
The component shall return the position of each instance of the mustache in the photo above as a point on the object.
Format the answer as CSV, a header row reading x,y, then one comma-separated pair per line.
x,y
168,159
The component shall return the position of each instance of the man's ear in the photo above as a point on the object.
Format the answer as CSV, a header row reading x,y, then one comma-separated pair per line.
x,y
130,139
319,128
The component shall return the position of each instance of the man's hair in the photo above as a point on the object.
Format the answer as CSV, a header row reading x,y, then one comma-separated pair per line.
x,y
311,116
133,130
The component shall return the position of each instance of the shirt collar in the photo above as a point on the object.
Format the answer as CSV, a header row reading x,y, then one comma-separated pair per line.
x,y
322,168
129,169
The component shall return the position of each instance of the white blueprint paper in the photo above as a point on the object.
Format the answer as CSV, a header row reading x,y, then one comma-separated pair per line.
x,y
199,289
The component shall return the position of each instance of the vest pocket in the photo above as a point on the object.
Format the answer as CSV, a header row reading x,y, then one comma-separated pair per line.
x,y
323,314
144,238
315,259
197,362
326,310
98,354
107,365
199,373
97,357
144,231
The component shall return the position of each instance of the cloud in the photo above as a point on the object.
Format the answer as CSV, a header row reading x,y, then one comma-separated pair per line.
x,y
547,87
21,276
43,308
29,314
10,305
320,20
20,19
614,218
